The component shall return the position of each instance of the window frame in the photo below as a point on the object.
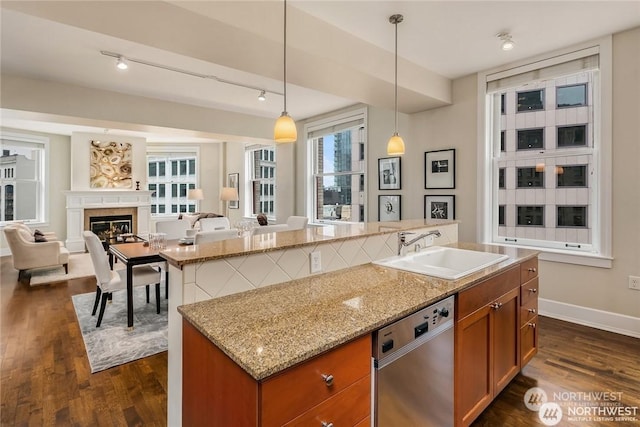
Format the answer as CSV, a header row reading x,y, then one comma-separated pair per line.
x,y
601,256
359,114
43,208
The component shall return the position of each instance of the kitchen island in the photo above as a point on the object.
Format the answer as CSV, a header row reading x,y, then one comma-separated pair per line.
x,y
268,333
204,272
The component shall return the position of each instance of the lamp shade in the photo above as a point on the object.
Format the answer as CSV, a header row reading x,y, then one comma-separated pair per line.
x,y
285,129
229,194
395,145
195,194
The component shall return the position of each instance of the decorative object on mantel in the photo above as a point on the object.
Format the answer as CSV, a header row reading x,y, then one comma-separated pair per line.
x,y
395,146
138,185
110,165
440,169
285,129
112,344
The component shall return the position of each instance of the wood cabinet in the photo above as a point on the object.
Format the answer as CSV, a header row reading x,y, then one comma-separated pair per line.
x,y
487,352
334,387
528,310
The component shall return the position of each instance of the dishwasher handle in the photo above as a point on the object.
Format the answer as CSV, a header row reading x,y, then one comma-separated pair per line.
x,y
421,329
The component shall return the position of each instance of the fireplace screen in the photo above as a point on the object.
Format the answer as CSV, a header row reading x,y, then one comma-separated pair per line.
x,y
111,226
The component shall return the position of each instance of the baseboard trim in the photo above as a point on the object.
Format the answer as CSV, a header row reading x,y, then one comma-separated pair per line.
x,y
599,319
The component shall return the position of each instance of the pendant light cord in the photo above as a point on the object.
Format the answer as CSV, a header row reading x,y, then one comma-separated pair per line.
x,y
396,81
285,56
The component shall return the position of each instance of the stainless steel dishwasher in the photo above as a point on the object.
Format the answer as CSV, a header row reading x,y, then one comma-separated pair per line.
x,y
413,369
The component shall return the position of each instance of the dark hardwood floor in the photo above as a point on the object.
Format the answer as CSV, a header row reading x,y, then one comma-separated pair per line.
x,y
45,378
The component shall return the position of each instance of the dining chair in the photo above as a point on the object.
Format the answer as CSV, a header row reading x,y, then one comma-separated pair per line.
x,y
214,236
109,281
174,229
210,224
272,228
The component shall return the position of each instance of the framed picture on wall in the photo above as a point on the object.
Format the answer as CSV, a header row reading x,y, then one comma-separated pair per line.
x,y
389,208
233,180
389,173
440,207
440,169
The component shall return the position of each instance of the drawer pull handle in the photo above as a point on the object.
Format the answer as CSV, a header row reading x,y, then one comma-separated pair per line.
x,y
533,290
532,325
328,379
531,269
496,305
532,310
326,424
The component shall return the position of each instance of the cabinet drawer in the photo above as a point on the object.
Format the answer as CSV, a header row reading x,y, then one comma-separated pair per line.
x,y
346,408
528,270
528,341
528,311
529,291
300,388
487,291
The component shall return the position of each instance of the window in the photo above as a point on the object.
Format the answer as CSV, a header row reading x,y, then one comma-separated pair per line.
x,y
550,186
531,100
23,187
169,190
571,96
337,159
261,175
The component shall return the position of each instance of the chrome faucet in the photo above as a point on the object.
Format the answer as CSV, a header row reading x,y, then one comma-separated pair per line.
x,y
402,238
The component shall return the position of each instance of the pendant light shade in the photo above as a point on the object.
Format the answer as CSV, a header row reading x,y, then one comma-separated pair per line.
x,y
395,146
285,128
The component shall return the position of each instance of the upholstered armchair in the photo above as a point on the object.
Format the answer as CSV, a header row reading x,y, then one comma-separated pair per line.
x,y
27,254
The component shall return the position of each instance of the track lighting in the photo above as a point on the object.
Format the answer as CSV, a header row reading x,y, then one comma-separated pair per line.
x,y
507,42
121,63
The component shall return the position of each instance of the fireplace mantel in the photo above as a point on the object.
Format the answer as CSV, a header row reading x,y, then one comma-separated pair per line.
x,y
78,201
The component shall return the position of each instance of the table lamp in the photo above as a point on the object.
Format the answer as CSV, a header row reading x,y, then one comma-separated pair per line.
x,y
195,194
228,194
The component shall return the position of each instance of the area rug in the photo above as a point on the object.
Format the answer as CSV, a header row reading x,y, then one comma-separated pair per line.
x,y
112,344
79,266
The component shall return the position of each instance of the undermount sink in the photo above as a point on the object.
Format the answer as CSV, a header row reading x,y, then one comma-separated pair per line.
x,y
444,262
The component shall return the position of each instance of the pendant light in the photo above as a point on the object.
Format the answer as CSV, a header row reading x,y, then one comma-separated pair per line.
x,y
395,146
285,128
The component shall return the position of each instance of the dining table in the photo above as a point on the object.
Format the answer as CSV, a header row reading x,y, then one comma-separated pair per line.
x,y
133,254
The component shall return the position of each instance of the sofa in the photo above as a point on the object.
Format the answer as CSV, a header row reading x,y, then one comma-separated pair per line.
x,y
27,254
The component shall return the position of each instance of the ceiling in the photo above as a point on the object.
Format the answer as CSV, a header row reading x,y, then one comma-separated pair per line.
x,y
339,52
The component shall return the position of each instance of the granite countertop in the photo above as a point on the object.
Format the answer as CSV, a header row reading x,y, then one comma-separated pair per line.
x,y
182,255
271,329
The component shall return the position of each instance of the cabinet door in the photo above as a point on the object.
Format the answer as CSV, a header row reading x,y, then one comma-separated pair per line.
x,y
473,391
506,339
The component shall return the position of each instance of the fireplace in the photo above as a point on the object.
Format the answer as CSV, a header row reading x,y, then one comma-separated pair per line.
x,y
98,204
111,225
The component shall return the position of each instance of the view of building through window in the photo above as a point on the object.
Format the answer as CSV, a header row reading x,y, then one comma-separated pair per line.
x,y
543,152
170,177
22,180
339,175
261,168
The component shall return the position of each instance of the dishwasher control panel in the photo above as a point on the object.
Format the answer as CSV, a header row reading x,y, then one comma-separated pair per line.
x,y
428,320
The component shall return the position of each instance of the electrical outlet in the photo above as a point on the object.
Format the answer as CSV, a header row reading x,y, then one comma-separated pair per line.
x,y
634,282
315,262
